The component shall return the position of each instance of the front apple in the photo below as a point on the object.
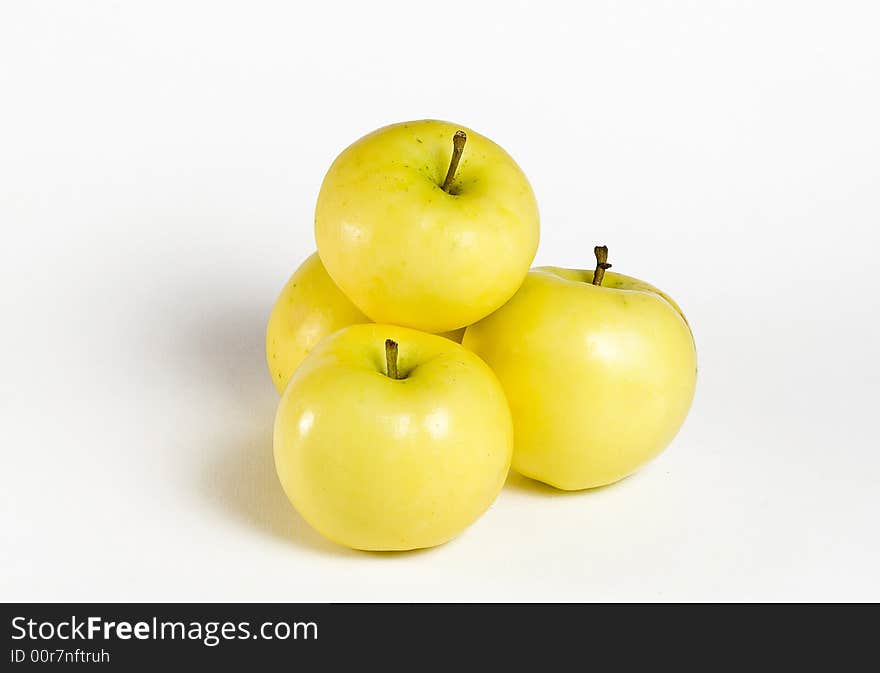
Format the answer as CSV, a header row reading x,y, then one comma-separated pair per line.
x,y
599,377
387,438
426,224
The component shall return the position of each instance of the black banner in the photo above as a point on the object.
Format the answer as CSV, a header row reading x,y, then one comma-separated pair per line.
x,y
150,636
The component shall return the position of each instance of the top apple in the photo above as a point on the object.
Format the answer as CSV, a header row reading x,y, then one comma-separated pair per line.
x,y
426,224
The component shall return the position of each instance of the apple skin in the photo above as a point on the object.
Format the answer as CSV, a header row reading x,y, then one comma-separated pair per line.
x,y
599,378
309,308
380,464
408,253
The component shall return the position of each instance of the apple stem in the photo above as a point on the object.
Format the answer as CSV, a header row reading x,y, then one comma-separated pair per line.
x,y
391,359
601,252
458,141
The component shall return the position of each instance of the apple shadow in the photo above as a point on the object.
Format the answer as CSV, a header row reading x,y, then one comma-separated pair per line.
x,y
241,481
522,484
223,348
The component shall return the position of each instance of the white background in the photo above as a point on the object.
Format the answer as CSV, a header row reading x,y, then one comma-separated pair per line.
x,y
159,163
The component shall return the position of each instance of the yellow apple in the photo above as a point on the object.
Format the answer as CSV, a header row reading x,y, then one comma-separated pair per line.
x,y
426,224
387,438
309,308
599,377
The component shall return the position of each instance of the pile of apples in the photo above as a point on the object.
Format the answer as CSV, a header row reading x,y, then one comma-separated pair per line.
x,y
419,358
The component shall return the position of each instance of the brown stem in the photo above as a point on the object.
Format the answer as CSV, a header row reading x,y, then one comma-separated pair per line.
x,y
601,252
458,141
391,358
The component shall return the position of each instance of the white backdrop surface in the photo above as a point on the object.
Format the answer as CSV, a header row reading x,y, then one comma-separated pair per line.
x,y
159,163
